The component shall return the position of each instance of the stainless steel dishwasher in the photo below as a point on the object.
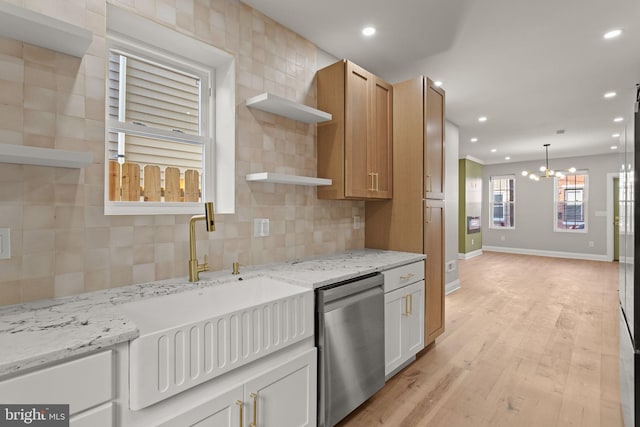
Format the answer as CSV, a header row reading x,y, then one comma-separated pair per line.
x,y
350,341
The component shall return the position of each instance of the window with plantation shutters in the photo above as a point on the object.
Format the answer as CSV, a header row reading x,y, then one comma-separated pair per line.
x,y
157,129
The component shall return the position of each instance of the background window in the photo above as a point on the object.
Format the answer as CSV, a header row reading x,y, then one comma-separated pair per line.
x,y
502,190
570,203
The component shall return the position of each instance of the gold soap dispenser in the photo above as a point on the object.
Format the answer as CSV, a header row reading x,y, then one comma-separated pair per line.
x,y
210,225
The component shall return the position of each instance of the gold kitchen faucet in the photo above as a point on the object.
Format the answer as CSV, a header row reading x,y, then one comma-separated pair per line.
x,y
210,224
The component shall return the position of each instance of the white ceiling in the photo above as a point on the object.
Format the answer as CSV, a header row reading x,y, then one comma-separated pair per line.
x,y
531,66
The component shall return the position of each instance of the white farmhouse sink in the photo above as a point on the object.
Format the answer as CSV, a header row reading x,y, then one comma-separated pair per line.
x,y
154,314
193,336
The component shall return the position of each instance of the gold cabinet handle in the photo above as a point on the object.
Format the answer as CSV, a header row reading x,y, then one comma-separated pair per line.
x,y
408,276
240,404
377,181
410,297
371,174
429,180
254,396
429,216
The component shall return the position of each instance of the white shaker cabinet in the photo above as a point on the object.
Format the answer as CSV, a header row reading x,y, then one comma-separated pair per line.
x,y
280,396
404,315
285,395
223,410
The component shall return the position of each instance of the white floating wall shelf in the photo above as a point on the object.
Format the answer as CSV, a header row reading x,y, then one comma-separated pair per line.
x,y
280,178
283,107
37,156
31,27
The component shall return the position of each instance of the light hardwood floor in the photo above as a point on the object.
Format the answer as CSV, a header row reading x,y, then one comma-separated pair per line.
x,y
529,341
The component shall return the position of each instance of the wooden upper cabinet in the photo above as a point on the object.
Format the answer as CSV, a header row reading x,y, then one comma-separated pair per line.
x,y
434,142
355,147
382,149
357,118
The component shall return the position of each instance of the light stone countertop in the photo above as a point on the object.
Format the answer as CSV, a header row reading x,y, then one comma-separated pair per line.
x,y
37,333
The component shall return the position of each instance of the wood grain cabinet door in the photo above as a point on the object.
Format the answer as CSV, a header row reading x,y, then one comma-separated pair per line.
x,y
381,148
355,147
434,142
434,265
359,180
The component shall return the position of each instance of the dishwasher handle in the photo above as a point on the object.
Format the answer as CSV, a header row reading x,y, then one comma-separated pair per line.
x,y
341,290
353,299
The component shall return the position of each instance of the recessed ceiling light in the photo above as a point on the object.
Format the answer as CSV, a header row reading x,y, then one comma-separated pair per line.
x,y
614,147
482,118
507,158
615,135
493,150
610,94
618,119
612,34
474,139
437,83
368,31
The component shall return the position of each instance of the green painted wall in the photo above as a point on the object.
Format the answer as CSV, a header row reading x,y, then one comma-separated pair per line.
x,y
470,193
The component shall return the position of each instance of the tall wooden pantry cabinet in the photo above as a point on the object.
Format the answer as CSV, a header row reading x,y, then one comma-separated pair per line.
x,y
413,220
354,147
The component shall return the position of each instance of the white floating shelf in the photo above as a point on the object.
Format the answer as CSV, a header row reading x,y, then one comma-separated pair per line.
x,y
24,155
41,30
283,107
280,178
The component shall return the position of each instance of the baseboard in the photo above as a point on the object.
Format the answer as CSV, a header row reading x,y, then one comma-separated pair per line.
x,y
470,255
553,254
451,286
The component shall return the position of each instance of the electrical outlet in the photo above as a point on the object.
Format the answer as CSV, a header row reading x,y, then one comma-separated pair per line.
x,y
473,241
5,243
502,238
592,244
260,227
356,222
451,265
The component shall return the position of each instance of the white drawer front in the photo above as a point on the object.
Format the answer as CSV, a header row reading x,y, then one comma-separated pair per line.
x,y
81,383
403,275
101,416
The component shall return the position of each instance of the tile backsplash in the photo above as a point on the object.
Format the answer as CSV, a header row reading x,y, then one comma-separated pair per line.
x,y
61,241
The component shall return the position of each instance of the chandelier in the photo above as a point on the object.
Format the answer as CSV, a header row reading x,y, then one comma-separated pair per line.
x,y
545,172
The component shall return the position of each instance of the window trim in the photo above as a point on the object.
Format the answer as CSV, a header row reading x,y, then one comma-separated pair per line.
x,y
220,158
585,204
491,203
